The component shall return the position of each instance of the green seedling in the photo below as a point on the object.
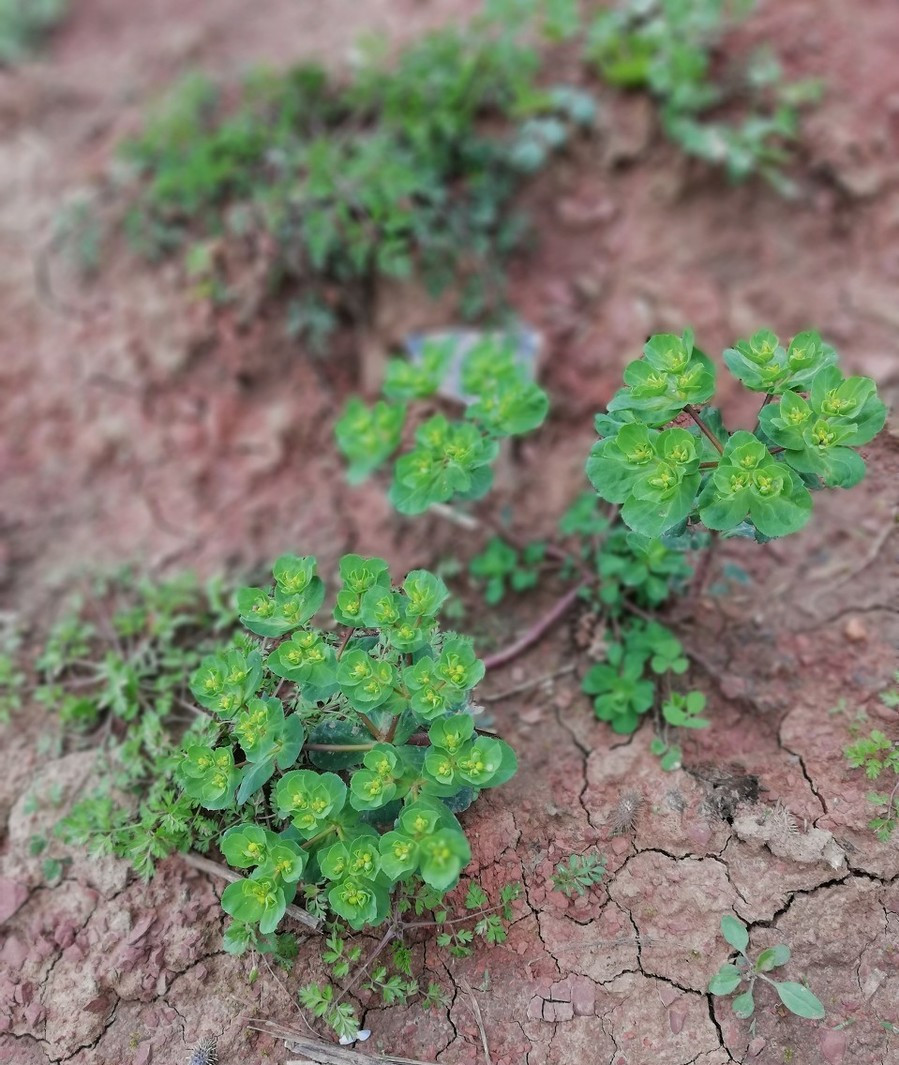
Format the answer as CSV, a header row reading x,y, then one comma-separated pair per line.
x,y
582,872
733,975
877,755
502,568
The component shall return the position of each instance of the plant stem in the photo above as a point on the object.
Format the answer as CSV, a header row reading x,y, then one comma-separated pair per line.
x,y
337,748
765,403
370,725
537,630
344,640
705,430
382,945
206,865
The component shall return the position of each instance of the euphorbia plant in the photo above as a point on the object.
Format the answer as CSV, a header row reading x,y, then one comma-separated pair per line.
x,y
342,755
758,484
450,459
666,480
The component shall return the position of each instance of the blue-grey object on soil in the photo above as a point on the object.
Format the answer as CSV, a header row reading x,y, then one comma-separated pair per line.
x,y
528,344
205,1053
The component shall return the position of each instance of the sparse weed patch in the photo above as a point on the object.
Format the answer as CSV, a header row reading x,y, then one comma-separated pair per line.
x,y
878,755
670,48
338,184
391,981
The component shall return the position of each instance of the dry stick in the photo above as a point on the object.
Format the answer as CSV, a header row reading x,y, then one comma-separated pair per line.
x,y
478,1019
526,685
537,630
382,945
327,1053
206,865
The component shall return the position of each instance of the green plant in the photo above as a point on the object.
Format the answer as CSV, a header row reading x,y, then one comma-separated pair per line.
x,y
668,482
114,668
502,567
387,704
24,24
455,934
410,167
740,484
581,873
669,47
338,761
877,754
680,710
733,974
448,459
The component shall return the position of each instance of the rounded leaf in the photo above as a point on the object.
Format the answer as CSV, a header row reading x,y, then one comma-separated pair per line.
x,y
743,1005
772,958
724,981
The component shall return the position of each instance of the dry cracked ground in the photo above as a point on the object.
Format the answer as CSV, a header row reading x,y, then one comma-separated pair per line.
x,y
766,822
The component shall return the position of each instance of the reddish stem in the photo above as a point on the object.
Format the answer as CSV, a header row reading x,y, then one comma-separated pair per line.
x,y
345,639
705,430
537,630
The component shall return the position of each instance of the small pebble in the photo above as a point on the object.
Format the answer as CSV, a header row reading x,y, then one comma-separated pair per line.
x,y
855,631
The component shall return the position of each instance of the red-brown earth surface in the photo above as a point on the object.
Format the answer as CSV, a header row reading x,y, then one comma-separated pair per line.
x,y
138,427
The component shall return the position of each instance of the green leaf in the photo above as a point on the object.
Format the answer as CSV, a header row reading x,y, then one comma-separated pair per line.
x,y
672,759
252,778
735,932
743,1005
799,1000
726,980
245,846
772,958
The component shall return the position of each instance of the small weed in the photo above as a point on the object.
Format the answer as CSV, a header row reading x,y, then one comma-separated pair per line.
x,y
393,983
796,997
582,872
877,754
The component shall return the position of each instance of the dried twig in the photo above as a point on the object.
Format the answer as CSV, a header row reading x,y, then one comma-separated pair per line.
x,y
867,559
206,865
325,1053
526,685
536,632
478,1019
